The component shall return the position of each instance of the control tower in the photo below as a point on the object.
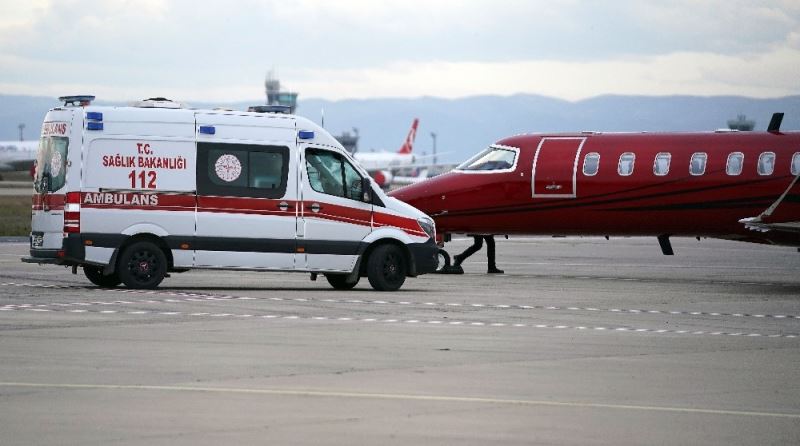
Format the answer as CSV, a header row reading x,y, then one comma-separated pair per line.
x,y
277,97
741,123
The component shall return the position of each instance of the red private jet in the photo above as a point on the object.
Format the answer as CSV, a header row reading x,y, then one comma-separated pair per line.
x,y
725,184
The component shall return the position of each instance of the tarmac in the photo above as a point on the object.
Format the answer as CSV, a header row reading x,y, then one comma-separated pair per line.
x,y
582,342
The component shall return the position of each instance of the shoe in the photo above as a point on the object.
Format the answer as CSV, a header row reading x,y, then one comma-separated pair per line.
x,y
452,269
457,260
495,271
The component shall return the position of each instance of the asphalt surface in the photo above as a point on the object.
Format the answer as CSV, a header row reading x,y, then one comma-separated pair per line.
x,y
581,342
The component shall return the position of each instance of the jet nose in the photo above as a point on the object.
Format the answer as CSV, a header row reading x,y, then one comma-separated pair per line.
x,y
420,195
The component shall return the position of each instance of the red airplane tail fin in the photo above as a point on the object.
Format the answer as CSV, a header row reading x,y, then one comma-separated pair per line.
x,y
408,145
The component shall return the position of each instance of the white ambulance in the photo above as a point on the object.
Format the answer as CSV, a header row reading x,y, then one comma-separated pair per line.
x,y
131,194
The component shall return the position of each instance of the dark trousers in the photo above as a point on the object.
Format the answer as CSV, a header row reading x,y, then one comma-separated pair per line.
x,y
477,244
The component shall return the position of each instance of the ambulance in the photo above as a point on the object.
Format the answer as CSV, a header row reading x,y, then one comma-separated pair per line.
x,y
133,194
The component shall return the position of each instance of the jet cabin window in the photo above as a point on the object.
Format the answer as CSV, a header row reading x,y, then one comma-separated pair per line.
x,y
661,164
330,173
493,158
51,164
734,164
242,170
796,164
591,164
625,166
766,163
698,164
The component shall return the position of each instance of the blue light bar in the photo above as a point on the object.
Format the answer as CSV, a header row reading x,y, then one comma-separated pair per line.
x,y
305,134
94,125
94,116
207,129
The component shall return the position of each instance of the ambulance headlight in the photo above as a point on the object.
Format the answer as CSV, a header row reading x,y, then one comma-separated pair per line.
x,y
428,226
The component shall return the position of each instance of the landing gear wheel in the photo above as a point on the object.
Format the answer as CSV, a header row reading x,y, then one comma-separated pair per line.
x,y
142,265
444,260
340,282
386,268
96,276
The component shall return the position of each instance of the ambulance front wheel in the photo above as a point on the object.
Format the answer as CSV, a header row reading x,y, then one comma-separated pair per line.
x,y
341,282
444,260
142,265
96,276
386,268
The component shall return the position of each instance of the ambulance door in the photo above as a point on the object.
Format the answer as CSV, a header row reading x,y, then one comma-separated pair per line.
x,y
333,218
59,144
246,193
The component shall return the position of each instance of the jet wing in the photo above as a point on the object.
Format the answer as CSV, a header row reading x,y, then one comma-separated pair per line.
x,y
773,219
755,224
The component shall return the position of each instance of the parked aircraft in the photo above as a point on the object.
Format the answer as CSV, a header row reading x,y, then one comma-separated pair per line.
x,y
17,155
381,165
725,184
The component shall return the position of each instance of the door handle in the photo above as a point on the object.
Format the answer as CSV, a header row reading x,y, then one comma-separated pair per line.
x,y
284,206
315,207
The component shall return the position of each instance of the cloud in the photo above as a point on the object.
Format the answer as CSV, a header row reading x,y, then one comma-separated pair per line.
x,y
572,49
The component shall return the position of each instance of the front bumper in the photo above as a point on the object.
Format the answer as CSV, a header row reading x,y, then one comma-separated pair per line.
x,y
425,257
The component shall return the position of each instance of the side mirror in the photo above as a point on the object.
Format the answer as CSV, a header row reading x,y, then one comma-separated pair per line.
x,y
366,190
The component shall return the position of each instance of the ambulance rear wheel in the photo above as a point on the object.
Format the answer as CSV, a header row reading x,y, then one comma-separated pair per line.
x,y
96,276
340,281
142,265
386,268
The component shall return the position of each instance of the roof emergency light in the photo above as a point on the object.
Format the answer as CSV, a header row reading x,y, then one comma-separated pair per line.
x,y
78,100
305,134
270,109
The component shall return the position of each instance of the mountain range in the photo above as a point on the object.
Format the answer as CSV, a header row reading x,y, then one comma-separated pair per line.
x,y
466,125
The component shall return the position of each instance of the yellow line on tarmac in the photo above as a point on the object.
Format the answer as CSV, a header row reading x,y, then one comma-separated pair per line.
x,y
403,397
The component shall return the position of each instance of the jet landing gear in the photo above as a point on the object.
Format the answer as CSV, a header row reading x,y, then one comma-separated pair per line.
x,y
445,267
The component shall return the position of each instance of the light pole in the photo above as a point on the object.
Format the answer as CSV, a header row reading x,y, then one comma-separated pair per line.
x,y
21,127
433,135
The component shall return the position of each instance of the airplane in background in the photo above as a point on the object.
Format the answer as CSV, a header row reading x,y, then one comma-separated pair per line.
x,y
726,184
17,155
382,165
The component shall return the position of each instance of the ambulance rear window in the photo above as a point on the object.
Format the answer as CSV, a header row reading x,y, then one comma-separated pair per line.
x,y
51,164
243,170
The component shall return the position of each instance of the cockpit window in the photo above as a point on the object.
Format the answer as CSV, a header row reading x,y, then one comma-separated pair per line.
x,y
493,158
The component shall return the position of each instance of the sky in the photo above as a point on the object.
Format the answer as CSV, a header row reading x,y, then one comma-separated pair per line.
x,y
222,50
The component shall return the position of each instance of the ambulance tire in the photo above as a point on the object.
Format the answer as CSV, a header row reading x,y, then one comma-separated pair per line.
x,y
96,276
340,282
386,268
142,265
444,260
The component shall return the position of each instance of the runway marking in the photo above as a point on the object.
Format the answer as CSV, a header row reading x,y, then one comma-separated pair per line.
x,y
421,322
405,397
195,297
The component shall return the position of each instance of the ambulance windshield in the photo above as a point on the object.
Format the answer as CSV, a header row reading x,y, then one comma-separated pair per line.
x,y
51,164
493,158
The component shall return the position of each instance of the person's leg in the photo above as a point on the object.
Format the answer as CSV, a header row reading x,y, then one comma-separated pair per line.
x,y
477,244
490,253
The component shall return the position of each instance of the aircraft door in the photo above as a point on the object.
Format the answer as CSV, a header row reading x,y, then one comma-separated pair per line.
x,y
554,167
333,218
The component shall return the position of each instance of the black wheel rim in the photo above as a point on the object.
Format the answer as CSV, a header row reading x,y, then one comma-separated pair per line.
x,y
143,265
392,268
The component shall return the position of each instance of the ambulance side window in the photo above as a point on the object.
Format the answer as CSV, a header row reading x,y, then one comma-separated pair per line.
x,y
330,173
242,170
